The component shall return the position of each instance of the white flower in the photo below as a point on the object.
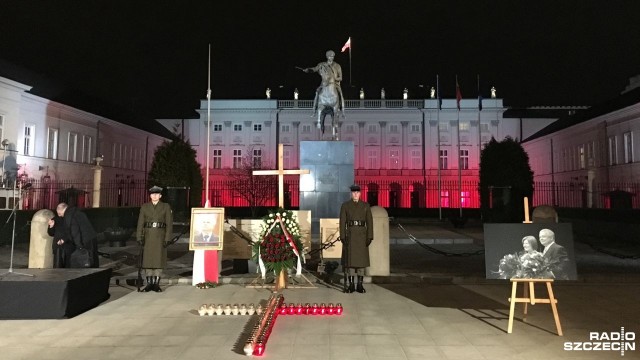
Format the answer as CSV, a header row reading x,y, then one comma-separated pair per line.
x,y
270,215
278,214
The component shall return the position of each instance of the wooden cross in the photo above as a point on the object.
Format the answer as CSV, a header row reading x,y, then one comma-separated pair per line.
x,y
280,172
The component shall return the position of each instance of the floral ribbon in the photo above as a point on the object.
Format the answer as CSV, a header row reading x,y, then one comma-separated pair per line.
x,y
278,220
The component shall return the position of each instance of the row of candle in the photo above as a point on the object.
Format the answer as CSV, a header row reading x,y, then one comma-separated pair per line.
x,y
257,342
309,309
243,309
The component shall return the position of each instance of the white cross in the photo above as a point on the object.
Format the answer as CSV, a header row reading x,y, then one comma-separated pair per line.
x,y
280,172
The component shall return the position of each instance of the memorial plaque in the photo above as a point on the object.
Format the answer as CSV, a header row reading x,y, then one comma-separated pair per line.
x,y
329,232
235,247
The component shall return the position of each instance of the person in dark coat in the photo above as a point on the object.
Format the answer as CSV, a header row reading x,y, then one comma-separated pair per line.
x,y
80,231
62,245
356,234
154,231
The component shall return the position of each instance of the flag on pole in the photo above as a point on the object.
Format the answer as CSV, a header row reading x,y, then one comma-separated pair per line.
x,y
479,95
438,92
458,93
347,45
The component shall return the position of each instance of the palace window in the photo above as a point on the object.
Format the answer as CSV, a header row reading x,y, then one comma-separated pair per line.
x,y
217,127
416,159
285,128
394,159
237,158
257,127
306,129
415,128
393,128
72,147
464,159
217,158
372,159
87,150
628,147
52,143
257,158
613,150
29,139
582,157
444,162
237,127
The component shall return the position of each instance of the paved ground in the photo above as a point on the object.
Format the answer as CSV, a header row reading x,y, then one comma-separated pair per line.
x,y
436,307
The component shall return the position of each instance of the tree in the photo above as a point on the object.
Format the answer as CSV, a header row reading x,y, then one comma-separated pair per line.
x,y
256,190
505,178
174,164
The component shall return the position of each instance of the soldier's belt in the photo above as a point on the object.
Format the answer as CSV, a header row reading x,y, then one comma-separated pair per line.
x,y
356,223
155,225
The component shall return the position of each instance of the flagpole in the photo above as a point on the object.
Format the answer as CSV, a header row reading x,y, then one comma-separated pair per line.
x,y
350,85
207,204
458,98
479,130
439,154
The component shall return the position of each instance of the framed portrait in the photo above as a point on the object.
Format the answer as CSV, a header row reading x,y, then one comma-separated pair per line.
x,y
207,229
538,250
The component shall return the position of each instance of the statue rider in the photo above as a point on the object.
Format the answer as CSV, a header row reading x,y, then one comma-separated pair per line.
x,y
334,69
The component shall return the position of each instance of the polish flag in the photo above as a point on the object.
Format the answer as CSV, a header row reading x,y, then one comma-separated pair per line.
x,y
347,45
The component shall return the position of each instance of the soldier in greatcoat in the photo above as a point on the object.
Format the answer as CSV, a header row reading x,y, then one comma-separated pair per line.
x,y
155,228
356,233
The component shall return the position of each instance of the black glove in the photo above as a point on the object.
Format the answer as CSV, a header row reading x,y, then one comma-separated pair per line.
x,y
369,242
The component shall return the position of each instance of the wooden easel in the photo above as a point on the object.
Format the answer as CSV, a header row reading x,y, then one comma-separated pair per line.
x,y
530,298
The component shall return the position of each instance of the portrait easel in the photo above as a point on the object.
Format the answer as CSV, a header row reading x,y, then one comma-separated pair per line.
x,y
530,298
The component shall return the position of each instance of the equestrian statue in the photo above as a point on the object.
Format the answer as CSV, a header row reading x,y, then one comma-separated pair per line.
x,y
328,99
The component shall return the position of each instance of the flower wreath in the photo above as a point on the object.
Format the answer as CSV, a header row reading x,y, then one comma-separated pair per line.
x,y
279,243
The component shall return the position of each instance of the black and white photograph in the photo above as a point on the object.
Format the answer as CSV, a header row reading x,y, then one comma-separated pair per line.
x,y
529,251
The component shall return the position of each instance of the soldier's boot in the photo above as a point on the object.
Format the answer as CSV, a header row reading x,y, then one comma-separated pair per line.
x,y
149,286
351,288
360,288
156,285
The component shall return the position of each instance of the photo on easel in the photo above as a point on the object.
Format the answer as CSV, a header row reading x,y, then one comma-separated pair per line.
x,y
529,251
207,229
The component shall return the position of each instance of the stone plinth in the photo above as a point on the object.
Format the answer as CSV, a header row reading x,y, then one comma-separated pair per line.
x,y
379,248
40,253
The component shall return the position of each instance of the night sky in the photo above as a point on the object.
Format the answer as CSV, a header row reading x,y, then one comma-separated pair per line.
x,y
140,60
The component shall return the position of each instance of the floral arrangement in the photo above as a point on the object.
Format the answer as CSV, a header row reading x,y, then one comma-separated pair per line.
x,y
525,266
206,285
279,247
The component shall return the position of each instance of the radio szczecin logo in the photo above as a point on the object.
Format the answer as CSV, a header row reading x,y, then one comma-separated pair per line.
x,y
605,341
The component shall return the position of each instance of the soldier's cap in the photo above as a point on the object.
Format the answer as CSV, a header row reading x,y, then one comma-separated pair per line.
x,y
354,187
155,190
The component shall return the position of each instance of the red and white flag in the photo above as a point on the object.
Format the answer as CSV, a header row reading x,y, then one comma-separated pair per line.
x,y
347,45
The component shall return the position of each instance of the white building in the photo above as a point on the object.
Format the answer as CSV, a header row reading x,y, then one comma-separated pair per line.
x,y
586,156
54,147
402,147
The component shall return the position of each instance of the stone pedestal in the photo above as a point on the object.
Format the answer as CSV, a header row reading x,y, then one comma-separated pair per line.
x,y
326,187
379,248
40,254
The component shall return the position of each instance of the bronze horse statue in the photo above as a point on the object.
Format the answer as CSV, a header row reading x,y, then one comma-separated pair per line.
x,y
329,102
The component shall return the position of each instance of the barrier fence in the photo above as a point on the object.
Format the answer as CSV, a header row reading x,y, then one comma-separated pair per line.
x,y
388,194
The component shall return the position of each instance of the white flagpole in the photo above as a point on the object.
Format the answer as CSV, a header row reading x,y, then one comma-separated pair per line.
x,y
207,204
439,154
350,47
459,159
